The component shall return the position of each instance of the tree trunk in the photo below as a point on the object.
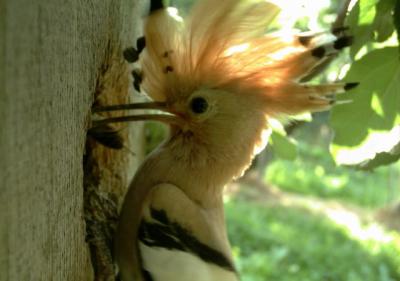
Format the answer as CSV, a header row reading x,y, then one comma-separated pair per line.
x,y
56,59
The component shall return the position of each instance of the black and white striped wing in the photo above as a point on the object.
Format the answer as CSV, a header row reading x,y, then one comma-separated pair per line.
x,y
180,241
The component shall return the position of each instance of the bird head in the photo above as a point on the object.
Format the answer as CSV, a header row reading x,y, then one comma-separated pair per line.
x,y
220,77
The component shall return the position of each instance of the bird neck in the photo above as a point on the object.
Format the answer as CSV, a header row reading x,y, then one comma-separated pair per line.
x,y
167,165
200,170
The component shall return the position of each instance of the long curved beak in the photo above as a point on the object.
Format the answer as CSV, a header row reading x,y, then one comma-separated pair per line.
x,y
167,117
141,105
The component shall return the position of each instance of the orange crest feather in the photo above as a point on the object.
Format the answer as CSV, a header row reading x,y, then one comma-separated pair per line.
x,y
222,44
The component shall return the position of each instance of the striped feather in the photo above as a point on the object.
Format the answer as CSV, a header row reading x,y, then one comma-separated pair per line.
x,y
182,241
172,252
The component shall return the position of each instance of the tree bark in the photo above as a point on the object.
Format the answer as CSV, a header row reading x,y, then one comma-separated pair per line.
x,y
54,56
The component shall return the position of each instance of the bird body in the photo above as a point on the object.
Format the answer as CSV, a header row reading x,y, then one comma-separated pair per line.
x,y
220,80
187,173
183,241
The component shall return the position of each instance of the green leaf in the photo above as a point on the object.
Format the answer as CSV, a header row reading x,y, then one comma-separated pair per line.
x,y
396,17
367,11
364,32
375,110
282,146
370,21
382,158
383,21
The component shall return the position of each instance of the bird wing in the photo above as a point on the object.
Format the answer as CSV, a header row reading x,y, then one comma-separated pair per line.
x,y
180,240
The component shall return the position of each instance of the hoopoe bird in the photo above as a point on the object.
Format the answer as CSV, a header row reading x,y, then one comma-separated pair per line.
x,y
218,80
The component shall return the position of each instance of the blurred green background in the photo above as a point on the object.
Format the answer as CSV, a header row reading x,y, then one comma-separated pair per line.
x,y
309,219
297,214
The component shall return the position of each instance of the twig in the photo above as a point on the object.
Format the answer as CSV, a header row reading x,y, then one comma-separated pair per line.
x,y
342,13
338,24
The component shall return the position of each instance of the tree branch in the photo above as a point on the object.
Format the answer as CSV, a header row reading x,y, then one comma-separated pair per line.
x,y
336,25
342,13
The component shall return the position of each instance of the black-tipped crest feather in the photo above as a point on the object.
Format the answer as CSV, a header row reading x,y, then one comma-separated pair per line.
x,y
130,54
343,42
156,5
350,86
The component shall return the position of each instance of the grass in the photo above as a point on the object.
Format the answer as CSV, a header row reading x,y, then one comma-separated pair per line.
x,y
291,244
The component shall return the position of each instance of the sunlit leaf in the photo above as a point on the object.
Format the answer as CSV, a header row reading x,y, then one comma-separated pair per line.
x,y
283,146
370,21
396,17
367,11
363,32
379,148
375,110
382,158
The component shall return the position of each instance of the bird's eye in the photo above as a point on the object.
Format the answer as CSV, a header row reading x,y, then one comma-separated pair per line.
x,y
198,105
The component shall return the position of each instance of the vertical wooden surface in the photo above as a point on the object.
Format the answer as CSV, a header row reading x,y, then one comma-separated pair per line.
x,y
50,56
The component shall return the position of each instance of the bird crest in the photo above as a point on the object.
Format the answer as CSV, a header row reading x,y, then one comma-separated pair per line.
x,y
224,45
